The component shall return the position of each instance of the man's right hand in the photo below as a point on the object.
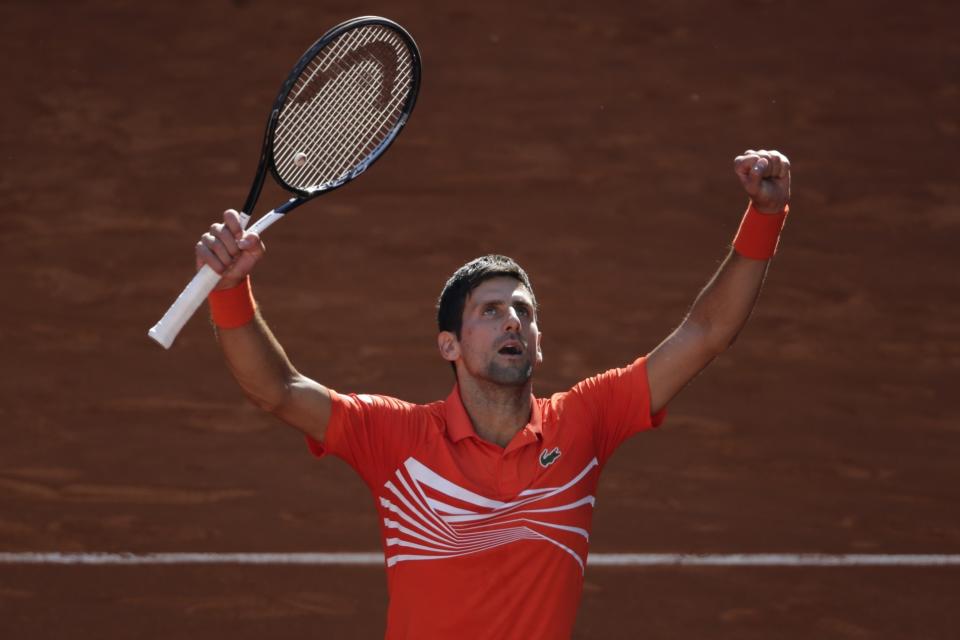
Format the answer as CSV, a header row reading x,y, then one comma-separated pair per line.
x,y
229,250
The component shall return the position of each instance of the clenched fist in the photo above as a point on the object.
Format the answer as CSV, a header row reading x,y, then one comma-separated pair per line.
x,y
765,176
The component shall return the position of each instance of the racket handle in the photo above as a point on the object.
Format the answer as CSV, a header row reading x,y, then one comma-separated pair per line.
x,y
183,308
268,219
205,281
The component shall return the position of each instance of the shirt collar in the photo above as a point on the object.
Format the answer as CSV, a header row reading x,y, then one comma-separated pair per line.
x,y
459,425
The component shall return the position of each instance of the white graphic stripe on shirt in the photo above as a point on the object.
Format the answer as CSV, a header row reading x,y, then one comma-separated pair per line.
x,y
436,516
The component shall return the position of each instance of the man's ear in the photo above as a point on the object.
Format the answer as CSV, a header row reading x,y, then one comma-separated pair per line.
x,y
449,346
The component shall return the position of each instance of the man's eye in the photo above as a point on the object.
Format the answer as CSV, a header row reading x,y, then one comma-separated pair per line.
x,y
489,311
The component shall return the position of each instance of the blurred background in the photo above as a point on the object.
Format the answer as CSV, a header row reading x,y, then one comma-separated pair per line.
x,y
591,142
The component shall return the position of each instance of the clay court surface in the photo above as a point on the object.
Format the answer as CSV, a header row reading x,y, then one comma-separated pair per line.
x,y
592,142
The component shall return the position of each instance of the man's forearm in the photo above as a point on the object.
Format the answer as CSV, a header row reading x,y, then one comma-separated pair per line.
x,y
258,363
723,306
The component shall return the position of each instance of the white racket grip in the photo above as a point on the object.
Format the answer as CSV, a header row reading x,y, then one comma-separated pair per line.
x,y
264,222
183,308
190,299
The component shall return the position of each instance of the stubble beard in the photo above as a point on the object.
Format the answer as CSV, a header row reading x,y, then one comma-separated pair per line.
x,y
511,375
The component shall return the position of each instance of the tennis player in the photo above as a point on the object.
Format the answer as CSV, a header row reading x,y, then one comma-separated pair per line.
x,y
486,498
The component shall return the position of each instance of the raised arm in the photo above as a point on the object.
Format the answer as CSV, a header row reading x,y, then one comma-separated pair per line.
x,y
253,354
722,308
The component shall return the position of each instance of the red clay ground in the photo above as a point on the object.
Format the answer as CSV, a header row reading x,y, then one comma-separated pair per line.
x,y
593,142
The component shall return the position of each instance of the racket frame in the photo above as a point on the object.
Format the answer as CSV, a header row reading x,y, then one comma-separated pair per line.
x,y
166,330
267,159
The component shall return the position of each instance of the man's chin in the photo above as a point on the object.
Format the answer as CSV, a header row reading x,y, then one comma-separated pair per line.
x,y
515,375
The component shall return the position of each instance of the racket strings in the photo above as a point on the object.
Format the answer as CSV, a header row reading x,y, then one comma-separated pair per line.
x,y
336,114
369,120
319,65
324,139
342,145
356,119
306,78
300,129
343,110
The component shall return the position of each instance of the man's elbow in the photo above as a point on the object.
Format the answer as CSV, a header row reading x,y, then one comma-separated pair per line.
x,y
272,400
721,342
710,340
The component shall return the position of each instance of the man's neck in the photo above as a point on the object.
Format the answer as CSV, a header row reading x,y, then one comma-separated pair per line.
x,y
497,412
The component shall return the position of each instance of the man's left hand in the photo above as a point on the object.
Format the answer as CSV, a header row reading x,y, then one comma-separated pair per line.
x,y
765,176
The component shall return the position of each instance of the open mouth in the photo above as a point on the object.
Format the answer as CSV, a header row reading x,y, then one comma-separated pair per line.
x,y
511,350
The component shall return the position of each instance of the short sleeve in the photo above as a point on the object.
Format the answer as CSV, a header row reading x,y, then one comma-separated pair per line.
x,y
616,403
372,433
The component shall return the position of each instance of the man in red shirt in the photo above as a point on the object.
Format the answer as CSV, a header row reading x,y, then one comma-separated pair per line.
x,y
486,498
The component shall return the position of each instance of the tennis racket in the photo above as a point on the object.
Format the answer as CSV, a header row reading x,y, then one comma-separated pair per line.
x,y
345,101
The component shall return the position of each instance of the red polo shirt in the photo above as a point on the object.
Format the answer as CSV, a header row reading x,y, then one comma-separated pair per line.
x,y
483,541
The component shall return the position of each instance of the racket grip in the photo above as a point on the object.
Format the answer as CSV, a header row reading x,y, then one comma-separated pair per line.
x,y
190,299
183,308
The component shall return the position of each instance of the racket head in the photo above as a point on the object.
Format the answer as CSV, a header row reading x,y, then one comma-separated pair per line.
x,y
342,105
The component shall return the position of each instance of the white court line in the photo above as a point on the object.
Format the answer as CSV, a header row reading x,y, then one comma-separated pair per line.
x,y
595,559
773,560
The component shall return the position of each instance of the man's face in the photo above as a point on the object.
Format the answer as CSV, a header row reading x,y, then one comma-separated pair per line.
x,y
499,341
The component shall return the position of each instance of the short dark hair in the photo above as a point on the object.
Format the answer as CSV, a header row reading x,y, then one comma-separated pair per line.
x,y
464,280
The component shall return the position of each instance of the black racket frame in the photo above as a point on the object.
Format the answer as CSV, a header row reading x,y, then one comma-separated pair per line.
x,y
266,154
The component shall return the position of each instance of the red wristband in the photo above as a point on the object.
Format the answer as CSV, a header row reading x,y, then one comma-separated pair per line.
x,y
759,233
233,307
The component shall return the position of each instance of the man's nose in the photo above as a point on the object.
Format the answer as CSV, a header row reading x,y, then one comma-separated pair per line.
x,y
513,323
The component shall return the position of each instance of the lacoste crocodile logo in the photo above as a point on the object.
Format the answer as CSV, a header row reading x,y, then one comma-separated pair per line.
x,y
547,458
